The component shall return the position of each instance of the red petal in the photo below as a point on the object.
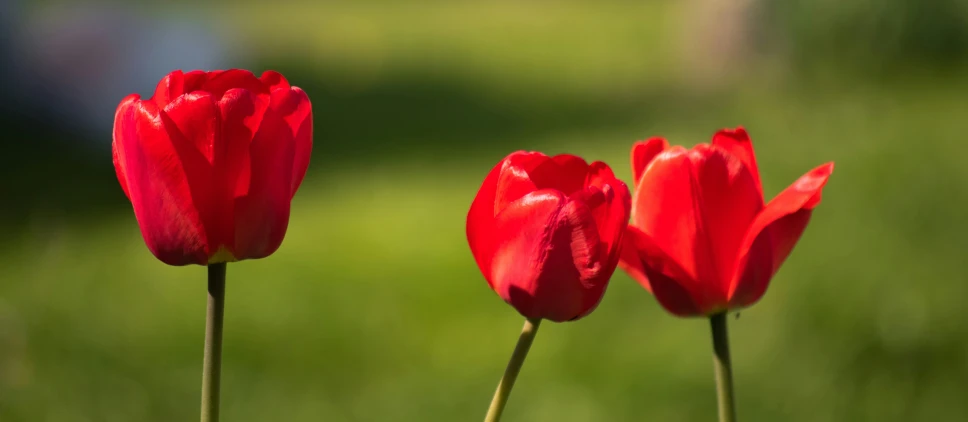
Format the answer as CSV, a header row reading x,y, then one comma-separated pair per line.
x,y
262,215
194,80
517,175
241,113
176,84
612,216
599,174
643,153
157,184
193,123
515,178
480,220
169,88
218,82
294,107
197,116
737,142
261,201
548,265
568,176
274,80
730,201
630,259
773,235
649,265
219,168
696,205
118,163
533,171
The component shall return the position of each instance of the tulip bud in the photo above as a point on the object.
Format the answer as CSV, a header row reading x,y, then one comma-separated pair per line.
x,y
211,163
546,232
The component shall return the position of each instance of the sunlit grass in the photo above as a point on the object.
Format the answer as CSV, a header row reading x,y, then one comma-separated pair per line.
x,y
374,298
503,47
373,309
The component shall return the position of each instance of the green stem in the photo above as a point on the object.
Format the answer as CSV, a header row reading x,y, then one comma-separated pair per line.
x,y
723,367
212,363
514,367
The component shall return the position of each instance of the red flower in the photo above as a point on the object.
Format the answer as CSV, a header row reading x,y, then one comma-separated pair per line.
x,y
546,232
701,239
211,163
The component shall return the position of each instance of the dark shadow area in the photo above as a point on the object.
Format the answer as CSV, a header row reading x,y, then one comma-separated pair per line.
x,y
48,168
866,39
432,117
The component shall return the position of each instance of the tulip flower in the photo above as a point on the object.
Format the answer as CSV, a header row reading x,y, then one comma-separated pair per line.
x,y
701,238
210,164
546,233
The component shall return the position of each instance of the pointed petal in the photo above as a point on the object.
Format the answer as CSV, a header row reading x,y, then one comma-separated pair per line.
x,y
729,202
738,143
643,153
665,207
773,235
158,185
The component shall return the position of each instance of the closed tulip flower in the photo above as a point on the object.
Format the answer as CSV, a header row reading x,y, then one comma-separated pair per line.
x,y
701,238
546,232
211,163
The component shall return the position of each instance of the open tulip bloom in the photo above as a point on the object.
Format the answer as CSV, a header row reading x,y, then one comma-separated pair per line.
x,y
210,164
701,238
546,233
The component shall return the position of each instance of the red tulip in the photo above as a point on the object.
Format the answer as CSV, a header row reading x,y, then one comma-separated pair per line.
x,y
546,232
701,239
211,163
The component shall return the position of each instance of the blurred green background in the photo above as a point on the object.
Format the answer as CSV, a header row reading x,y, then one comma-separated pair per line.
x,y
373,309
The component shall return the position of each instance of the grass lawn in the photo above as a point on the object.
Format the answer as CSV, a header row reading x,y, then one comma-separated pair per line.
x,y
373,309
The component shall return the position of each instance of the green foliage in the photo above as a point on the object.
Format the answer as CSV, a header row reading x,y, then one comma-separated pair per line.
x,y
880,36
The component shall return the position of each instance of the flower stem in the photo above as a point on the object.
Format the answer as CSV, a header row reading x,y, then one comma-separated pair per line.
x,y
514,367
723,367
212,363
